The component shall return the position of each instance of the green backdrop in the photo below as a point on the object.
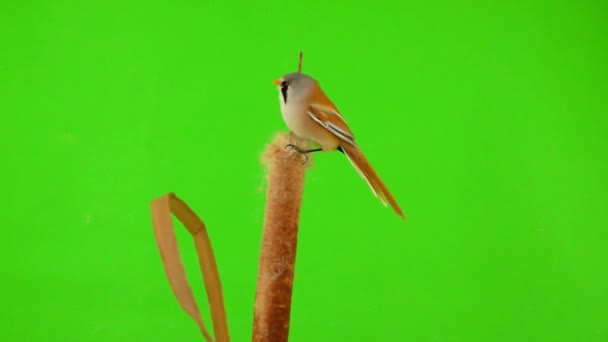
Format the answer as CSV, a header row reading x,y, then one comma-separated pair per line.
x,y
487,120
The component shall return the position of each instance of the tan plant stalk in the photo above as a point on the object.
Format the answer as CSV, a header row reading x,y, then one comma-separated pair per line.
x,y
286,170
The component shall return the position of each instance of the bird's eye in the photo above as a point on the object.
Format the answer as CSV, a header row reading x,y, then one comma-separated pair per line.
x,y
284,86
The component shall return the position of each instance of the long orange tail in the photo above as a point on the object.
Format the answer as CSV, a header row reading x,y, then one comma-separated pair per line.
x,y
366,171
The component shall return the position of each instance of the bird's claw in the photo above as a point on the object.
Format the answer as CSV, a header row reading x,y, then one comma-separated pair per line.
x,y
299,150
295,148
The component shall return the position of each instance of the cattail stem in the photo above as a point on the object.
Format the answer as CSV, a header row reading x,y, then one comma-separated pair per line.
x,y
279,240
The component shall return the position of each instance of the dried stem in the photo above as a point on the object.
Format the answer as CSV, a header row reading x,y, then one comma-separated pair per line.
x,y
162,208
279,240
300,62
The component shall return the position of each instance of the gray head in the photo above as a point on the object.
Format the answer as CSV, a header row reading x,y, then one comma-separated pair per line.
x,y
295,86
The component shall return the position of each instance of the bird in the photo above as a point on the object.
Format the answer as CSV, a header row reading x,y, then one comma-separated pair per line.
x,y
311,115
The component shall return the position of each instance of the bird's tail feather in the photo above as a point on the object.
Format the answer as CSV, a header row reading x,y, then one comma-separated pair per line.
x,y
356,157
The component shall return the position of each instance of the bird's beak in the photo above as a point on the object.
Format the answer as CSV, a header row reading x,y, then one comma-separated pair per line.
x,y
277,82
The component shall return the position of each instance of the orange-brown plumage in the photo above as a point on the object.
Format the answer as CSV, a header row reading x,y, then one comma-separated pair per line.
x,y
365,169
320,103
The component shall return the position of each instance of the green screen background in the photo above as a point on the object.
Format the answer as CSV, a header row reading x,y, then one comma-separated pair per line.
x,y
486,119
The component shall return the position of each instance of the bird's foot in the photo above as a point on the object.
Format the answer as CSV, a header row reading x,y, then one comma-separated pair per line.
x,y
299,150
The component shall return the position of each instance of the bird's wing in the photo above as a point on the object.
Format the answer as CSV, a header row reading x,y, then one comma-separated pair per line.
x,y
325,113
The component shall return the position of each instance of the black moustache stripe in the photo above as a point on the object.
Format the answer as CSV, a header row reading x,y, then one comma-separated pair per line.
x,y
284,91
